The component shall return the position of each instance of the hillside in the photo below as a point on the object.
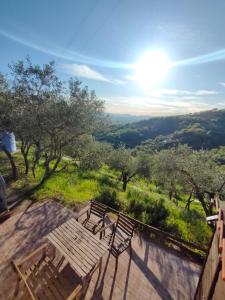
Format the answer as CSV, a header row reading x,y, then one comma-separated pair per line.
x,y
200,130
122,119
73,186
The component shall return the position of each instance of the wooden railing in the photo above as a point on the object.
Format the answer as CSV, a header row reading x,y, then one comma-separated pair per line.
x,y
211,283
187,248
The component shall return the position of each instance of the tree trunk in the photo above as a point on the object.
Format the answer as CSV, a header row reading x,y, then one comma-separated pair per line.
x,y
35,161
26,162
176,198
12,163
189,201
33,170
44,178
201,199
170,194
124,185
36,158
25,151
48,171
125,181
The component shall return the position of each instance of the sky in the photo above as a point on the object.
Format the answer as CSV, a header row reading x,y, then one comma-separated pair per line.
x,y
104,43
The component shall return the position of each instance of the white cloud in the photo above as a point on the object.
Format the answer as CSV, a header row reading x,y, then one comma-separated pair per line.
x,y
206,93
177,92
181,93
118,81
83,71
154,106
222,83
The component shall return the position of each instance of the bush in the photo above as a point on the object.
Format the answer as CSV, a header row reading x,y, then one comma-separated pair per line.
x,y
137,208
156,214
153,213
109,197
107,181
134,194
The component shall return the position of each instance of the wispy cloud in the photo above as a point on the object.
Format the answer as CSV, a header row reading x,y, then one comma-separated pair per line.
x,y
118,81
181,103
202,59
206,93
74,56
63,53
174,93
222,83
85,71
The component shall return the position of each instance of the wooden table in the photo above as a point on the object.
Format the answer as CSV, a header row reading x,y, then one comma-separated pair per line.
x,y
81,248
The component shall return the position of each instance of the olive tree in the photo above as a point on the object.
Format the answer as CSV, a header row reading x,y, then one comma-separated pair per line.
x,y
121,160
87,153
45,116
32,86
195,171
6,108
165,173
63,120
129,166
144,165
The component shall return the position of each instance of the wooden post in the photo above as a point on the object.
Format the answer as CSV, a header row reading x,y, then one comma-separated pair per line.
x,y
221,236
223,261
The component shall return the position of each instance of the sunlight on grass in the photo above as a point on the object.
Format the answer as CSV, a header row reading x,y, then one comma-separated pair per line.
x,y
70,188
73,186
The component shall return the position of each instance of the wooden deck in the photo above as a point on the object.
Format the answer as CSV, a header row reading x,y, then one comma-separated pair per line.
x,y
151,272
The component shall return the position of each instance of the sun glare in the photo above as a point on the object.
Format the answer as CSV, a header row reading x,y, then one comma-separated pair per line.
x,y
151,69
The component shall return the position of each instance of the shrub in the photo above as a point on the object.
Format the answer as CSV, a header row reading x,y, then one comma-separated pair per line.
x,y
105,180
156,214
137,195
151,212
109,197
137,208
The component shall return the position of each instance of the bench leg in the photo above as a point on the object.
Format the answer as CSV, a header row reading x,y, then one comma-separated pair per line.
x,y
17,286
130,248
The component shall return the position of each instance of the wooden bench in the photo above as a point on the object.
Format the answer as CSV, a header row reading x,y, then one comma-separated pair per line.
x,y
120,234
46,279
95,216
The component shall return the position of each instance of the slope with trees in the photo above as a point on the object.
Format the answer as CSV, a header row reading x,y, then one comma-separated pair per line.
x,y
200,130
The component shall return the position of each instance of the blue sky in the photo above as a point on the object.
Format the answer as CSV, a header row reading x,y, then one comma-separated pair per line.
x,y
100,42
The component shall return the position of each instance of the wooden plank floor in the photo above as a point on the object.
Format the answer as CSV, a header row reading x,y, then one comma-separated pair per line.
x,y
151,272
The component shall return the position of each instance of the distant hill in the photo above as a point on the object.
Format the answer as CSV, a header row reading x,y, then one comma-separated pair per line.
x,y
121,119
199,130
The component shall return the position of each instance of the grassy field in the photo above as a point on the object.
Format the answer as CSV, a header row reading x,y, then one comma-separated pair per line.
x,y
142,199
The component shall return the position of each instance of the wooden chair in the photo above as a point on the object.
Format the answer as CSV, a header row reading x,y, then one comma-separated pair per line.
x,y
120,236
46,279
95,217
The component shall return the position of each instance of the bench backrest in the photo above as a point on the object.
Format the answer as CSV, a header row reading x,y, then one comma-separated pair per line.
x,y
125,225
98,209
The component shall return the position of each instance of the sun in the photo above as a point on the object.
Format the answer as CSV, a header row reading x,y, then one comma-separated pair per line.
x,y
151,69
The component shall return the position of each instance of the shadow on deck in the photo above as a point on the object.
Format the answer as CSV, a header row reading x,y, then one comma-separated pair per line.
x,y
147,272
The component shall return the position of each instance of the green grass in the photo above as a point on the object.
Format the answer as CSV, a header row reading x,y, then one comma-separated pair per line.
x,y
73,186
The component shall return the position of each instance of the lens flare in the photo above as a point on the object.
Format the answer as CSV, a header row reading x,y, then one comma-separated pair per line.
x,y
151,69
